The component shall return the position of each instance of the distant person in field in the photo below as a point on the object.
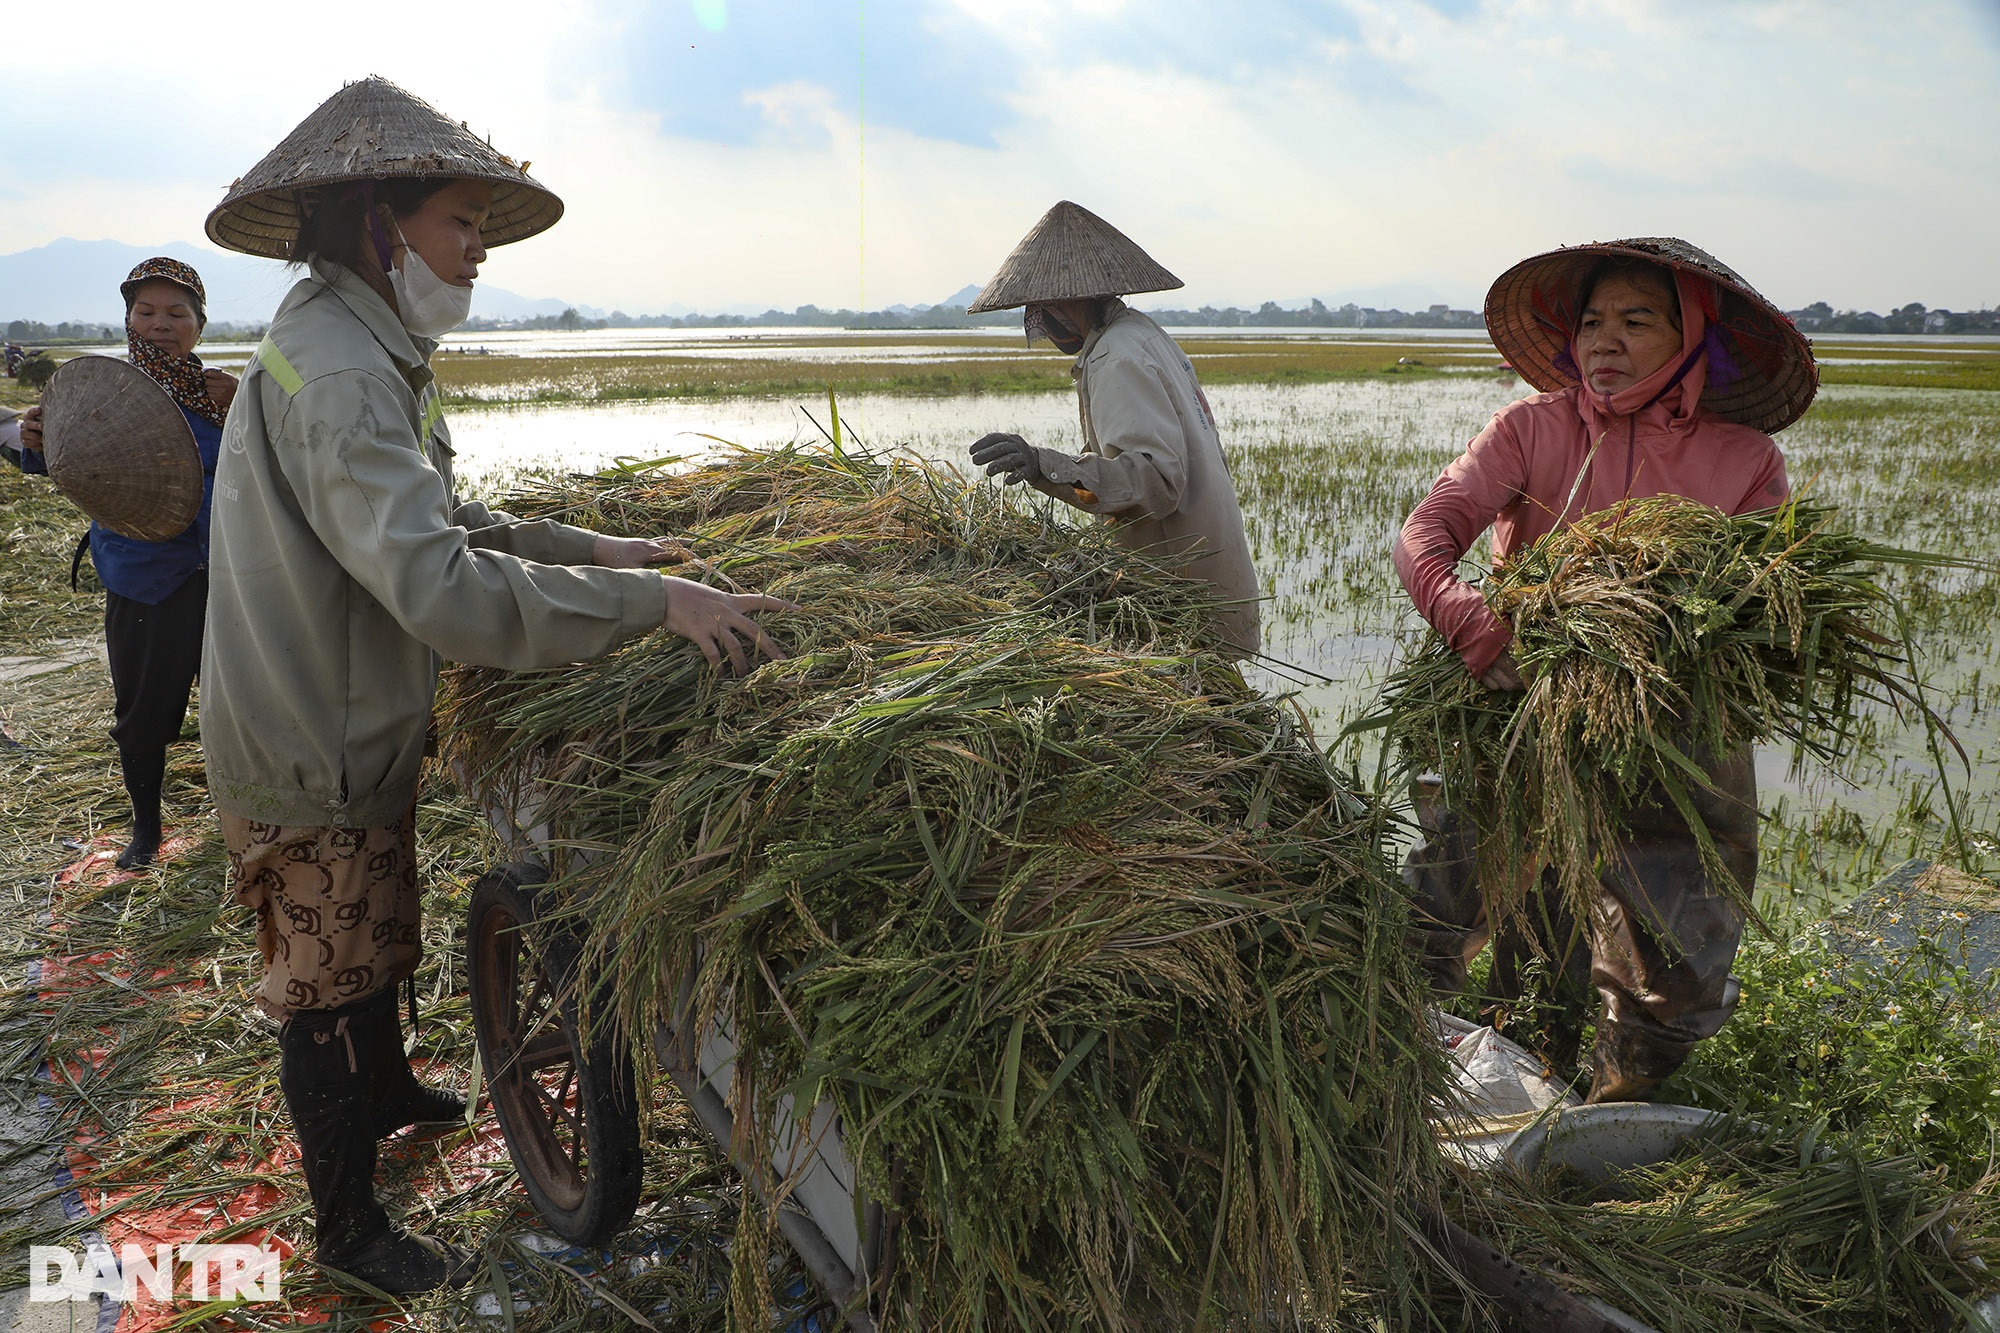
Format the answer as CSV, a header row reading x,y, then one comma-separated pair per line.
x,y
1662,373
155,593
1152,462
346,566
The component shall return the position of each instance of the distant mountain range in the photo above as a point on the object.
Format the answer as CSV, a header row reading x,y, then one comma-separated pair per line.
x,y
77,281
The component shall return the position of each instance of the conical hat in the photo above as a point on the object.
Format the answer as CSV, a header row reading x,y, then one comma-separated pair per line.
x,y
373,130
1532,313
1072,254
120,449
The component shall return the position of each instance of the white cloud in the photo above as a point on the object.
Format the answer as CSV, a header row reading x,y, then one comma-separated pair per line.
x,y
1852,161
790,108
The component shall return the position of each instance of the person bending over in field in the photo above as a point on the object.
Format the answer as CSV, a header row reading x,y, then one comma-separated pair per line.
x,y
1152,462
1662,373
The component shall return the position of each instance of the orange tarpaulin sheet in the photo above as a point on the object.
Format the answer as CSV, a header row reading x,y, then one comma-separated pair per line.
x,y
244,1190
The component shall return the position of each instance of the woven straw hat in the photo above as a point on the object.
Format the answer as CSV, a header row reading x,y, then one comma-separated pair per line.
x,y
1532,312
373,130
1072,254
120,449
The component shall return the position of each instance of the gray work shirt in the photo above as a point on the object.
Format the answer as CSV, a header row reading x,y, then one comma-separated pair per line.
x,y
1153,462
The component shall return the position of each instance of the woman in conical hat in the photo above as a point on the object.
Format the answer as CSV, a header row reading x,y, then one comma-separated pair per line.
x,y
1662,373
1152,462
156,589
345,564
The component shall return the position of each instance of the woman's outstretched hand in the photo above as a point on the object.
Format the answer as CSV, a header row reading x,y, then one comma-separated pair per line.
x,y
718,622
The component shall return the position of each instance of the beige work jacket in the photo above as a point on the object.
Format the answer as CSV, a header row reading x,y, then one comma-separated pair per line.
x,y
1153,462
343,565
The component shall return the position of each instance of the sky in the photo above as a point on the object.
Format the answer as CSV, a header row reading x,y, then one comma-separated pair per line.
x,y
739,154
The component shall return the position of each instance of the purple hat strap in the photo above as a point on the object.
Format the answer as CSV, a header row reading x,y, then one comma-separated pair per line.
x,y
1687,363
1722,369
365,192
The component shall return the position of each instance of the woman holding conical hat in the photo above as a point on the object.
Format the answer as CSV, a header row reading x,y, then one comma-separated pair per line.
x,y
155,588
1661,373
1152,461
345,564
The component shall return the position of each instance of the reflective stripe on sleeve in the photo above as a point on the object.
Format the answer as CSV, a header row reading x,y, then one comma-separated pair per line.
x,y
277,367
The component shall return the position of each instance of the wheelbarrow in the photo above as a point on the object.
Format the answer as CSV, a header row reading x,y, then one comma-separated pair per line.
x,y
564,1094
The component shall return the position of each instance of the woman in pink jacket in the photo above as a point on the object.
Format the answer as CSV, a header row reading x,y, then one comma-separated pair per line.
x,y
1663,373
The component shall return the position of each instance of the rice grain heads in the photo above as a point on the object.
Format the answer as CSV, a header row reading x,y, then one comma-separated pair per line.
x,y
1658,638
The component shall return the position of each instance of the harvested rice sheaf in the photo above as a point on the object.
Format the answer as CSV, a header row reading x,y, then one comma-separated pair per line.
x,y
1654,635
1747,1230
1099,960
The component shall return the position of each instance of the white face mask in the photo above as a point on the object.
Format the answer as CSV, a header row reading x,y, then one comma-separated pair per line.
x,y
430,307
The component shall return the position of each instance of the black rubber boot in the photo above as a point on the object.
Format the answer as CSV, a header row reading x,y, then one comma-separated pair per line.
x,y
400,1100
330,1090
1540,980
1628,1065
144,773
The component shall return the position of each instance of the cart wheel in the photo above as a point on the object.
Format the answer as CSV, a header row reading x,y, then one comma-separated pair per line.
x,y
566,1105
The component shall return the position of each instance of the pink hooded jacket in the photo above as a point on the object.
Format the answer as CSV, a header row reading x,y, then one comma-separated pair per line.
x,y
1652,439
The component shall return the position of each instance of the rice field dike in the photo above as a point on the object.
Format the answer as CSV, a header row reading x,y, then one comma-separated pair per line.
x,y
946,366
1864,1052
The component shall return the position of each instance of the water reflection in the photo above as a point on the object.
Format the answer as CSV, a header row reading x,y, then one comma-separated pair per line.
x,y
494,443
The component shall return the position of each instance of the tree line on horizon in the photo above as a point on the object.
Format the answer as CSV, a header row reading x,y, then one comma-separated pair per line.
x,y
1819,318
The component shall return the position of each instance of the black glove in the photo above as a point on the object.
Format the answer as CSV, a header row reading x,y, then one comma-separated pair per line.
x,y
1001,452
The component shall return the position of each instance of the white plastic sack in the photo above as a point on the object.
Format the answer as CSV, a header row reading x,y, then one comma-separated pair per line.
x,y
1501,1089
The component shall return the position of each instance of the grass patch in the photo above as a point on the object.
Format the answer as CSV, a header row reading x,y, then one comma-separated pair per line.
x,y
946,367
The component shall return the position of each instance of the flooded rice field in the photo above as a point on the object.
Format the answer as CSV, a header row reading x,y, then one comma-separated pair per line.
x,y
1326,473
1333,437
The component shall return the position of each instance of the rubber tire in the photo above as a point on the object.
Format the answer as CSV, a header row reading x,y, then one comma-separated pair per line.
x,y
612,1175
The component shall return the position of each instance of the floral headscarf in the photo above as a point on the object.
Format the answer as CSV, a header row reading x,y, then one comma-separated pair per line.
x,y
180,376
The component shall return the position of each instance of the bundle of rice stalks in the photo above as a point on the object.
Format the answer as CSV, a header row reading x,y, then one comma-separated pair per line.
x,y
1746,1231
1099,961
1656,637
